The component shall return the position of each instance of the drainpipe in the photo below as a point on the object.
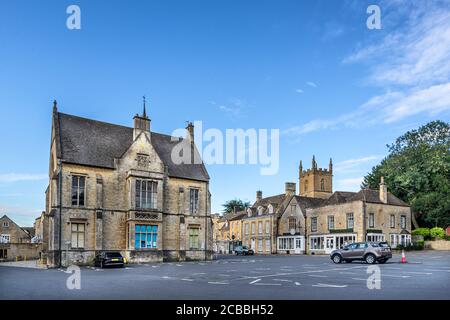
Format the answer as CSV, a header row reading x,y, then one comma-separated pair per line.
x,y
306,234
206,219
60,212
364,217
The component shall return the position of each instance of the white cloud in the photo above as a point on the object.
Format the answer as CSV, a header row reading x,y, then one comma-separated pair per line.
x,y
22,216
14,177
352,165
299,90
311,84
349,184
411,64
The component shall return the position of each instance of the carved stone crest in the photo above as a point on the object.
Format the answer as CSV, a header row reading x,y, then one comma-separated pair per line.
x,y
143,161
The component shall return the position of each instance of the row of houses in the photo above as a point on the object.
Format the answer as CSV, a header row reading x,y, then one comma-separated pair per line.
x,y
314,219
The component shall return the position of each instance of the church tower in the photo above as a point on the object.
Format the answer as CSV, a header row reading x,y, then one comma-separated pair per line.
x,y
316,182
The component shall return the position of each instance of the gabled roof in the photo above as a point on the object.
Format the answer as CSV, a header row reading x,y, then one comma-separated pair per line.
x,y
29,231
276,202
368,195
95,143
308,202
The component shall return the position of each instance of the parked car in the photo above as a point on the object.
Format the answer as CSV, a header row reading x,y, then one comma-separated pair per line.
x,y
244,251
369,252
106,259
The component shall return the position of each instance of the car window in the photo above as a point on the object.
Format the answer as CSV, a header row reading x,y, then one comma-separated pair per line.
x,y
352,246
384,244
375,245
114,255
362,245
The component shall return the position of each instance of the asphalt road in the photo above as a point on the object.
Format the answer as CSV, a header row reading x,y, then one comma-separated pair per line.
x,y
425,276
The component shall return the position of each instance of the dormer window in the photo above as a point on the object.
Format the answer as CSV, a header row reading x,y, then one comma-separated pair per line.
x,y
249,212
270,209
5,224
260,211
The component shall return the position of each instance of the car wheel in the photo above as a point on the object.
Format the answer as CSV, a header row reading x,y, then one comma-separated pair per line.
x,y
370,258
337,258
383,261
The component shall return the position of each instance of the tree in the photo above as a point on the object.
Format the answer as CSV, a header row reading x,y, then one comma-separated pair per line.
x,y
417,170
235,205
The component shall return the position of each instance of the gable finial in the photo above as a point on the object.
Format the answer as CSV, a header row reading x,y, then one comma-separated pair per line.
x,y
55,105
144,114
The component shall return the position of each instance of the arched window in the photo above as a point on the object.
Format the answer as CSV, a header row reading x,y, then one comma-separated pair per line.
x,y
306,185
322,185
270,209
249,212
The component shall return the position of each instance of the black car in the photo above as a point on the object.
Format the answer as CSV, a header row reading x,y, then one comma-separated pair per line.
x,y
106,259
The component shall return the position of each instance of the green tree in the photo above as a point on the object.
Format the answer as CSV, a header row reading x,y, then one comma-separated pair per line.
x,y
234,205
417,170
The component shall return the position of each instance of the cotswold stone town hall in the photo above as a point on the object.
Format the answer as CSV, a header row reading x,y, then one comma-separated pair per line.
x,y
113,187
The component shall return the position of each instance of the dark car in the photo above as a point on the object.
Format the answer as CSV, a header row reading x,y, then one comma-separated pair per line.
x,y
369,252
243,250
106,259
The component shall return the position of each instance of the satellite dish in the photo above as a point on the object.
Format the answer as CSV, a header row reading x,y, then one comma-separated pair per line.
x,y
292,231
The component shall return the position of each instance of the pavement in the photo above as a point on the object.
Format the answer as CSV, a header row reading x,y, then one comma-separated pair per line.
x,y
425,276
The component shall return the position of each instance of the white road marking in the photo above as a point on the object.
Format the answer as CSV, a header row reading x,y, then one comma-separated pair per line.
x,y
364,279
186,279
179,265
345,272
297,283
217,282
394,276
255,281
198,273
428,273
262,269
317,276
282,280
267,284
325,285
301,272
436,270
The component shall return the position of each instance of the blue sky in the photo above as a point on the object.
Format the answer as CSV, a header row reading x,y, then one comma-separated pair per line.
x,y
312,69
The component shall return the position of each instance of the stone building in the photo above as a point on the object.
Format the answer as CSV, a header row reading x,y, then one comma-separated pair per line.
x,y
316,182
125,189
227,232
291,224
259,226
367,215
15,241
10,232
318,220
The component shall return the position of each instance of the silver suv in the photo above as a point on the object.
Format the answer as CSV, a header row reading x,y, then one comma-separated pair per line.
x,y
369,252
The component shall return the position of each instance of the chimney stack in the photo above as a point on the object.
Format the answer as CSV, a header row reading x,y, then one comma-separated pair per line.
x,y
290,188
258,195
383,191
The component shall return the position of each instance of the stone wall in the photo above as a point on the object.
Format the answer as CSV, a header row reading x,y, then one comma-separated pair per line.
x,y
437,245
21,251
